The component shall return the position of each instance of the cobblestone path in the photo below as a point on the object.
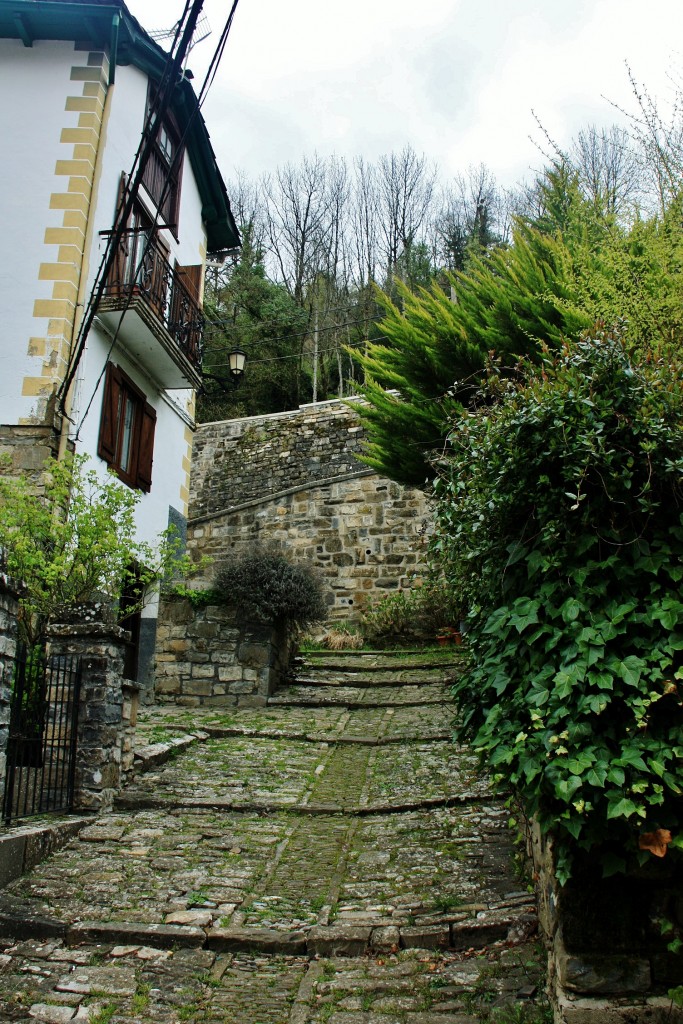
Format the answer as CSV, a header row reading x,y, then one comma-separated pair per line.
x,y
332,858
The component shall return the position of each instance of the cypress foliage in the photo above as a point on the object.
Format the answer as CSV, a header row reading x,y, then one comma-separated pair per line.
x,y
574,266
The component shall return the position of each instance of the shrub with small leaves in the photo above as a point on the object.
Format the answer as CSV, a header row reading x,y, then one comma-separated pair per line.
x,y
560,521
75,539
414,615
266,587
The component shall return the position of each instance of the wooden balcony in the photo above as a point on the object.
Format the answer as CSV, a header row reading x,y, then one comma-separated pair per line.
x,y
153,314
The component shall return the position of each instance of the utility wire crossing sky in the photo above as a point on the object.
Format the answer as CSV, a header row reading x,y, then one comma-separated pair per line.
x,y
458,80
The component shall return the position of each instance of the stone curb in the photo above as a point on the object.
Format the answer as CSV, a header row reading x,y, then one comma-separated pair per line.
x,y
351,705
164,936
218,732
332,940
365,684
25,846
129,802
31,926
409,659
159,753
261,940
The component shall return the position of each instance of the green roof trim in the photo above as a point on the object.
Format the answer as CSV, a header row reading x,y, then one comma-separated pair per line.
x,y
111,26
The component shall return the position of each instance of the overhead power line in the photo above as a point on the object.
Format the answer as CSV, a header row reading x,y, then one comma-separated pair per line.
x,y
306,334
155,115
125,209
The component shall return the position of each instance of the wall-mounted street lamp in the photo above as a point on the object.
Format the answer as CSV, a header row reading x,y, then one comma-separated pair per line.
x,y
237,357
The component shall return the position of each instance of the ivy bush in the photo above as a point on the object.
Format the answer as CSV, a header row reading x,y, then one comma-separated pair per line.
x,y
268,588
560,523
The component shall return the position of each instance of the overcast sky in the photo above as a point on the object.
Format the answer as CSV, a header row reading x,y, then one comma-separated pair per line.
x,y
455,79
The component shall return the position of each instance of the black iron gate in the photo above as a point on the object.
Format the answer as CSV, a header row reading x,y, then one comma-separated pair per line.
x,y
41,747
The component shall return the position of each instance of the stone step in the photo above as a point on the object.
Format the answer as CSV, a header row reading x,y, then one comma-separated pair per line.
x,y
309,676
153,873
367,933
379,661
355,697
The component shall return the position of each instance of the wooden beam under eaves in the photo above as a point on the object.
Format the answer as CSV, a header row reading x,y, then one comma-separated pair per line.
x,y
23,29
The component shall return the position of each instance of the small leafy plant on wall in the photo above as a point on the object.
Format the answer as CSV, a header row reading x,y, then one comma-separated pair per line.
x,y
560,525
427,613
266,587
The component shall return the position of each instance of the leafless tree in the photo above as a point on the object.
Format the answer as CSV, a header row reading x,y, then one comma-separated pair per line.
x,y
609,169
364,222
473,216
657,132
405,191
247,202
298,223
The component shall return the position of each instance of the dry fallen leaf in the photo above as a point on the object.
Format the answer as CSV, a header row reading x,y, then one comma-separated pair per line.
x,y
656,842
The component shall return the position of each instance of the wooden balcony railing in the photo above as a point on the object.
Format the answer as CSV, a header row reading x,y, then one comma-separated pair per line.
x,y
142,271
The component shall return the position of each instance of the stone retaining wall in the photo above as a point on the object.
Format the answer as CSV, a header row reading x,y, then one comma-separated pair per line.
x,y
234,461
205,655
294,480
607,958
8,645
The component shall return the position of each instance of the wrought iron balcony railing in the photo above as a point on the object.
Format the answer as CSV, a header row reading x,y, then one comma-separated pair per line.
x,y
141,271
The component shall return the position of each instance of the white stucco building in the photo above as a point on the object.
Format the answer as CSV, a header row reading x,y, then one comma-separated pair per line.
x,y
77,81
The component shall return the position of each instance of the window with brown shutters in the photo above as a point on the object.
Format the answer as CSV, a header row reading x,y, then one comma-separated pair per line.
x,y
163,170
127,424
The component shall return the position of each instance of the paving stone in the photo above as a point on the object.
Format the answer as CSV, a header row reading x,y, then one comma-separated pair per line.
x,y
292,850
193,917
52,1014
110,981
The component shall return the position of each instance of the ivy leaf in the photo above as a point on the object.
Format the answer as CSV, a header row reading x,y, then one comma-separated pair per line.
x,y
566,788
630,669
631,758
623,808
525,614
597,776
570,610
578,765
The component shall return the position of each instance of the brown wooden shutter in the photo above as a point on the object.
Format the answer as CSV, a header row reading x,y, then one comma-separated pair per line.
x,y
117,274
109,420
191,277
148,419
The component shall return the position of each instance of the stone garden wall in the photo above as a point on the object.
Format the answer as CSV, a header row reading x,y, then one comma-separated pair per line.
x,y
294,479
107,709
8,644
607,958
205,656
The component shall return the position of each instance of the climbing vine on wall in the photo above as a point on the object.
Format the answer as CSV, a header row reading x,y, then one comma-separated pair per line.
x,y
560,524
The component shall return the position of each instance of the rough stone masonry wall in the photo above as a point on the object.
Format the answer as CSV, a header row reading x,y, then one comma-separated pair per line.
x,y
607,957
205,656
25,449
234,461
8,645
294,479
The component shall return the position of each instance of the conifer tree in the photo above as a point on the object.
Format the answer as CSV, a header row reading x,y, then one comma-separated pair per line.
x,y
571,267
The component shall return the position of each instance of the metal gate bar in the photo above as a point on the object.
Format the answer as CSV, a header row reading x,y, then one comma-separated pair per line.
x,y
41,748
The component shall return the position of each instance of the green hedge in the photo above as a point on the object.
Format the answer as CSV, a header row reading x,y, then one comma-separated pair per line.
x,y
560,525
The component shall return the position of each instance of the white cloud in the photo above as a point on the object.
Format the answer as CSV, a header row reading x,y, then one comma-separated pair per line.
x,y
456,79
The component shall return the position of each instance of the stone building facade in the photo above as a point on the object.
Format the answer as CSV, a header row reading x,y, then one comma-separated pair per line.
x,y
294,480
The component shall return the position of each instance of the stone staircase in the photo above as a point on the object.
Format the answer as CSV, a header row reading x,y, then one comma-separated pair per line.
x,y
338,822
